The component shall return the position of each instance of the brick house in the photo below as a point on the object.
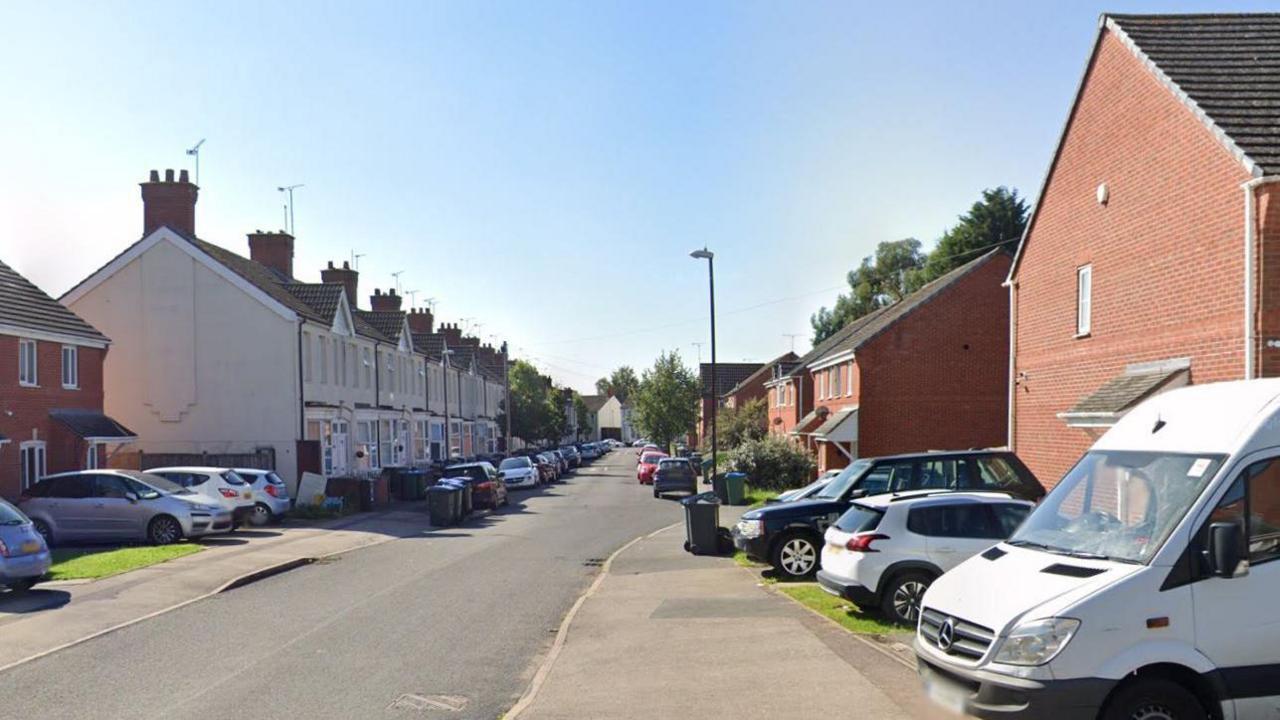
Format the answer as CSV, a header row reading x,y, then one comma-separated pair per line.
x,y
727,376
754,385
926,373
1152,258
788,396
51,417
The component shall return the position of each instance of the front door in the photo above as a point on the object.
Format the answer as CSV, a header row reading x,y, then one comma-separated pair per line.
x,y
338,438
1236,625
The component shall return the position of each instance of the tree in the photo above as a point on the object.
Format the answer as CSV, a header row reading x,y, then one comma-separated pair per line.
x,y
621,383
882,279
536,410
586,422
666,404
997,220
750,421
773,463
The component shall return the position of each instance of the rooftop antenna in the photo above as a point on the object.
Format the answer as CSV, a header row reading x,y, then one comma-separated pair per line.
x,y
466,323
413,294
431,303
194,152
699,346
396,275
793,337
289,189
355,259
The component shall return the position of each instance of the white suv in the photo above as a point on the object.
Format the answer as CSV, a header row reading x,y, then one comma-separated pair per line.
x,y
886,550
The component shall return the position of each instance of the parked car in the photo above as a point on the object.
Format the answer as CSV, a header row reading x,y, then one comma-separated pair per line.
x,y
549,466
488,489
807,491
794,529
589,451
648,465
572,455
639,443
24,555
518,472
674,475
561,458
118,505
220,485
270,495
1143,586
886,550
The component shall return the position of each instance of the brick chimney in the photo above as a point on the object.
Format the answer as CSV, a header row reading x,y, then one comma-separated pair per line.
x,y
169,202
346,277
421,321
389,302
273,249
452,334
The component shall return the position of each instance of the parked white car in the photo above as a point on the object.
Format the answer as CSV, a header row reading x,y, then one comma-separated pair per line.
x,y
270,495
1142,586
886,550
518,472
221,485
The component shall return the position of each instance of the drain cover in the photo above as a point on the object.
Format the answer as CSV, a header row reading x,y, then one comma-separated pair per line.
x,y
594,562
410,701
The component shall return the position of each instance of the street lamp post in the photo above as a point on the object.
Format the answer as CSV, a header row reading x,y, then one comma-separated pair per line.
x,y
705,254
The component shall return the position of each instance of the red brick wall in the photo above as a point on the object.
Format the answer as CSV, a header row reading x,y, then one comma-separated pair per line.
x,y
829,456
791,414
938,378
30,408
1166,252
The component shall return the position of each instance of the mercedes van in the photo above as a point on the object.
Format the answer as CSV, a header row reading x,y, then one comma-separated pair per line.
x,y
1145,585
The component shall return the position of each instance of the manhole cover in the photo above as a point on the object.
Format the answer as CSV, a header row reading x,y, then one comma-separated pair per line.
x,y
410,701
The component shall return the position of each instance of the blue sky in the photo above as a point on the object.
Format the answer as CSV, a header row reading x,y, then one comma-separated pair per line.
x,y
542,168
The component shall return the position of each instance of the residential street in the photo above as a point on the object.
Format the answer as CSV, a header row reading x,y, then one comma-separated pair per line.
x,y
464,612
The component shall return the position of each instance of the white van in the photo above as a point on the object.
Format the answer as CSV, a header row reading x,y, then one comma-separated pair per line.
x,y
1145,585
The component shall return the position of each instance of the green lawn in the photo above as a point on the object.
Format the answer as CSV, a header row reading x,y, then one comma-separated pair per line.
x,y
842,611
756,497
94,563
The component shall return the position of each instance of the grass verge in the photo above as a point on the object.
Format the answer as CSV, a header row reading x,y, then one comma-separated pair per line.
x,y
95,563
741,558
849,616
756,497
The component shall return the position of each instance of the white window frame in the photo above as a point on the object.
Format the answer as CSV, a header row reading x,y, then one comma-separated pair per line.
x,y
364,361
1084,300
91,457
306,356
40,449
71,369
848,387
28,363
324,360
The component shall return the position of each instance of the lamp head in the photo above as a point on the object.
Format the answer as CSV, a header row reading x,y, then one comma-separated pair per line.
x,y
703,254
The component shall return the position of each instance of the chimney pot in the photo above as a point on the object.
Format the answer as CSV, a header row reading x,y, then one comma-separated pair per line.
x,y
155,176
346,265
330,264
184,177
168,175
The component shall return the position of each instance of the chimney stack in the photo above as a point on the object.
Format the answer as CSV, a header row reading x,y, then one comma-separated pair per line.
x,y
169,203
421,321
346,277
273,249
389,302
452,334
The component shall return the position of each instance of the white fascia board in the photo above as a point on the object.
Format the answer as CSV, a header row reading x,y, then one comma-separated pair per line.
x,y
343,323
50,337
164,234
830,360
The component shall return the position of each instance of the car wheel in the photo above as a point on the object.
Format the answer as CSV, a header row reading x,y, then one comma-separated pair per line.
x,y
795,555
42,527
901,600
1153,699
164,530
261,515
21,586
656,493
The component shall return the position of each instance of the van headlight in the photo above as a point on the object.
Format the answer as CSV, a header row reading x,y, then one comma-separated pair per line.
x,y
1037,642
750,528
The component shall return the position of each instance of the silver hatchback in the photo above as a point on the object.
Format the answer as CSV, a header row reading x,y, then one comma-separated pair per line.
x,y
119,505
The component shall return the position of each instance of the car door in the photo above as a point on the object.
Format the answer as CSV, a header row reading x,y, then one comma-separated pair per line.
x,y
1235,621
70,499
957,531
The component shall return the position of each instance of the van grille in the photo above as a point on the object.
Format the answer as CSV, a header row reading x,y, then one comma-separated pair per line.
x,y
967,640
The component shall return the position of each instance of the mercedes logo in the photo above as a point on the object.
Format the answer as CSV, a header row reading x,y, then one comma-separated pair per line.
x,y
947,635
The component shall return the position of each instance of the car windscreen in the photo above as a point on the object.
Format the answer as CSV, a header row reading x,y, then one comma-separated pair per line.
x,y
514,463
161,484
650,458
1118,505
842,482
10,515
859,518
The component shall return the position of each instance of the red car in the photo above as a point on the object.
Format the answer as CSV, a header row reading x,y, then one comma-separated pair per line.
x,y
648,465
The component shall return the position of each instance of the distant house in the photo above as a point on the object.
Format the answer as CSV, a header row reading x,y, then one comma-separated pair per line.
x,y
727,376
753,386
926,373
1150,259
51,389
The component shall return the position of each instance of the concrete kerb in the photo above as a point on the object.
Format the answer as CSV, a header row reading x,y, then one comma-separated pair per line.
x,y
236,582
562,633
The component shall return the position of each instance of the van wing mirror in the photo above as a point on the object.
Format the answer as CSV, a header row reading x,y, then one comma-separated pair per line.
x,y
1226,541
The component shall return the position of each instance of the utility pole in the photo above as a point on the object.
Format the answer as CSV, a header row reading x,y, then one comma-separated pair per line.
x,y
705,254
506,377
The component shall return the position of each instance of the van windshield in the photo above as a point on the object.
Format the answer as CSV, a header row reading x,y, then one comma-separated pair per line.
x,y
1117,505
841,483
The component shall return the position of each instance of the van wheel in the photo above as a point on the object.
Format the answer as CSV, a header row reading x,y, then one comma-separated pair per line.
x,y
1154,699
795,555
901,600
164,530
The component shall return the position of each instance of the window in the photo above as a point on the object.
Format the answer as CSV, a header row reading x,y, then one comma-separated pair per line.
x,y
70,367
73,487
420,440
437,440
386,437
936,475
957,520
110,486
32,456
1254,502
818,379
1009,516
995,473
324,359
306,356
837,373
888,476
1084,300
91,457
364,361
848,387
337,363
365,436
27,374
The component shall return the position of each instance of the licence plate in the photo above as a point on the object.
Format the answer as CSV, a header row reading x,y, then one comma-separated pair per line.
x,y
30,546
946,696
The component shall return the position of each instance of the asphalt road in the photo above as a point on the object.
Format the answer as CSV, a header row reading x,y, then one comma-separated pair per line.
x,y
464,613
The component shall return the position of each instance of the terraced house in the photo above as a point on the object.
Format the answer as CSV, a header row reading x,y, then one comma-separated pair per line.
x,y
227,355
1152,259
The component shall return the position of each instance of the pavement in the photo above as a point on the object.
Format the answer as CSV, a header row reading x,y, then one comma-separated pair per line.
x,y
665,634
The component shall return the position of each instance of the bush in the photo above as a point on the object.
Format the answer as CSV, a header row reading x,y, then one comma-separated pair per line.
x,y
773,463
